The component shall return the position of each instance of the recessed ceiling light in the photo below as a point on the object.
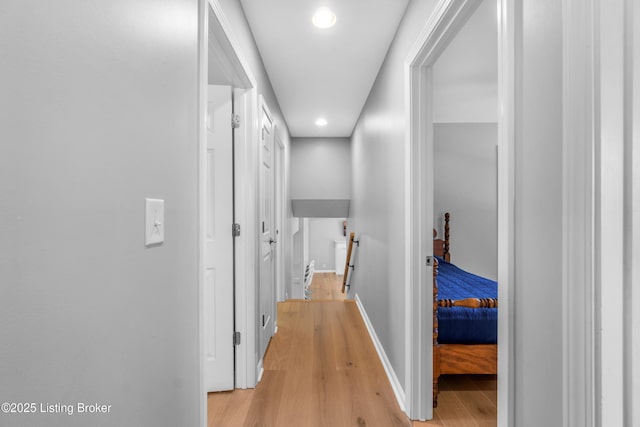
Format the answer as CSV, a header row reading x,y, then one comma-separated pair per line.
x,y
321,122
324,18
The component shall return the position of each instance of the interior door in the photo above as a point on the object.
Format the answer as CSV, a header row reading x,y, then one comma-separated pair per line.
x,y
267,234
218,289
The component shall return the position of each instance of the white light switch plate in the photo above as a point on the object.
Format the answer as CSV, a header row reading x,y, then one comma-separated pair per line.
x,y
154,221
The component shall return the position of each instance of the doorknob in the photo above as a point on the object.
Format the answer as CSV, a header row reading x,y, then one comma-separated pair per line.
x,y
271,241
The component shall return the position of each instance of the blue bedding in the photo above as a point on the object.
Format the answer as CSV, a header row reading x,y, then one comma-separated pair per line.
x,y
462,325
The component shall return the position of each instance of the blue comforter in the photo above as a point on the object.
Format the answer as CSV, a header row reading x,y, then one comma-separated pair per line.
x,y
461,325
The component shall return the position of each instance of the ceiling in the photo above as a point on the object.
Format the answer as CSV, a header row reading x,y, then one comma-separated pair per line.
x,y
323,73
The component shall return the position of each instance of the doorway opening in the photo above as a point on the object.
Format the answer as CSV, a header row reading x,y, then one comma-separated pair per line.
x,y
220,64
450,108
465,206
320,180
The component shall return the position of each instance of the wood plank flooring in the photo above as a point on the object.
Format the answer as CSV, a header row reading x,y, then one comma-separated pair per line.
x,y
321,370
465,401
327,286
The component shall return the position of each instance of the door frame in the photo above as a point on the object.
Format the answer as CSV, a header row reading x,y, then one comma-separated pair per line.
x,y
213,23
280,209
601,98
579,286
445,22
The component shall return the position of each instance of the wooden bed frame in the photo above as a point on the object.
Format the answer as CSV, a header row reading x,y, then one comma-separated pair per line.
x,y
458,358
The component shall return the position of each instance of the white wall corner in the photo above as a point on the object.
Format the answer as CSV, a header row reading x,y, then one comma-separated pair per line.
x,y
398,391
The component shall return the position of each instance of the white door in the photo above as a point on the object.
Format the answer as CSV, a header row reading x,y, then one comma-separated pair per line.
x,y
266,317
218,289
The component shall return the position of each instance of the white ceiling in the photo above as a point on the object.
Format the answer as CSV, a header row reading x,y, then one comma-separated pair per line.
x,y
323,73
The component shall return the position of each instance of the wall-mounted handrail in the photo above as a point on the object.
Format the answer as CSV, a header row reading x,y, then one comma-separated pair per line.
x,y
348,265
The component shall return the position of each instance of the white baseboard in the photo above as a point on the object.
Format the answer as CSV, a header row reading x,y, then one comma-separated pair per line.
x,y
260,370
324,271
391,374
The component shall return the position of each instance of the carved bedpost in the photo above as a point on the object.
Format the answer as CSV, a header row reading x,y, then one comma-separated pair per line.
x,y
446,255
436,347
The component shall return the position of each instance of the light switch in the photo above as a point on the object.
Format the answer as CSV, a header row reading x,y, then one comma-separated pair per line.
x,y
154,221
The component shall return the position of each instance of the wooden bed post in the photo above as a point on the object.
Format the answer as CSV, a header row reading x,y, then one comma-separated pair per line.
x,y
454,358
446,255
436,346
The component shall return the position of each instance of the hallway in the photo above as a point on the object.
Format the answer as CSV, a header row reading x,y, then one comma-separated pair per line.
x,y
321,369
105,165
327,286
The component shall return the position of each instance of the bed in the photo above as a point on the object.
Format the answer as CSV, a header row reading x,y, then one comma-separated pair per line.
x,y
465,314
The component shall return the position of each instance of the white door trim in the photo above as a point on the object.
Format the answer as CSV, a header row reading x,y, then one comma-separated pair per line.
x,y
599,96
614,38
578,286
280,200
632,220
445,22
246,106
506,212
203,82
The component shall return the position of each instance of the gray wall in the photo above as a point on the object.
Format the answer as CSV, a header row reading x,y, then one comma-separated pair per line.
x,y
323,232
320,168
378,202
466,187
98,111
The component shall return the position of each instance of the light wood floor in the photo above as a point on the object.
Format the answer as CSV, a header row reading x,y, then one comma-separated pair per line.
x,y
327,286
322,370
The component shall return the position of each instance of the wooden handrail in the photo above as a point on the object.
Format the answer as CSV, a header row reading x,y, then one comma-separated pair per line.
x,y
347,264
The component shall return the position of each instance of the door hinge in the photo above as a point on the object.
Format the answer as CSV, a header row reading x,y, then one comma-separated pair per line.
x,y
429,261
235,121
236,230
236,338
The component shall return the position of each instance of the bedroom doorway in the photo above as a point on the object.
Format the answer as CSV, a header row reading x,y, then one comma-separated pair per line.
x,y
450,107
465,207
